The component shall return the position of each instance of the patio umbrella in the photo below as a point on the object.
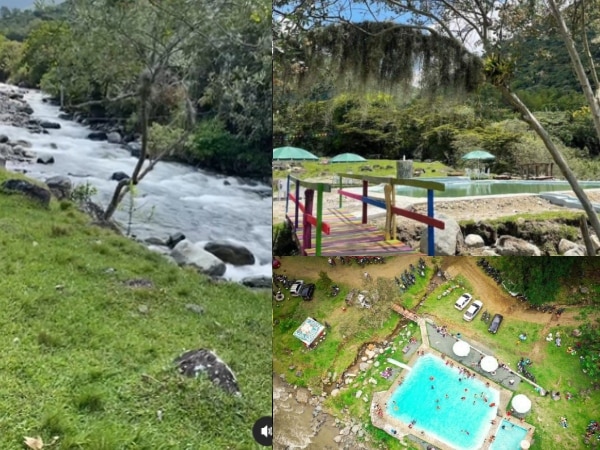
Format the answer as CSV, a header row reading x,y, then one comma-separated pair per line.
x,y
521,404
461,348
347,157
478,155
525,444
293,153
489,363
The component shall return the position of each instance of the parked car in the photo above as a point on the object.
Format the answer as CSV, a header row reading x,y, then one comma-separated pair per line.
x,y
473,310
307,291
463,301
295,288
496,321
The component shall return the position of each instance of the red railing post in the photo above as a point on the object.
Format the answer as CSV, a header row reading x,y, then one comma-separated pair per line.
x,y
306,226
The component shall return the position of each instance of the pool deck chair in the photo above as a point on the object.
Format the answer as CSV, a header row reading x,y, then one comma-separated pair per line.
x,y
338,232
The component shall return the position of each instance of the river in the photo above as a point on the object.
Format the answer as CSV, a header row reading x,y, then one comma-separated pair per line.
x,y
173,197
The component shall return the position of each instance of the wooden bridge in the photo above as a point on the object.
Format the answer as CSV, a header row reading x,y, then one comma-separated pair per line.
x,y
338,232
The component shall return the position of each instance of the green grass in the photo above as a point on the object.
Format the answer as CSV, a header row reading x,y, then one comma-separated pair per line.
x,y
381,168
80,361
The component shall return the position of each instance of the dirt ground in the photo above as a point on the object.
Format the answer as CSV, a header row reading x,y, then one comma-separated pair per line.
x,y
496,299
481,208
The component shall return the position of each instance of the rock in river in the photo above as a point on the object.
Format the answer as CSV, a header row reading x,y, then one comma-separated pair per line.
x,y
190,254
230,253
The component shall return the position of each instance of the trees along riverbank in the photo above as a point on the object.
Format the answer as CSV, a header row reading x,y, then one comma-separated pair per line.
x,y
208,71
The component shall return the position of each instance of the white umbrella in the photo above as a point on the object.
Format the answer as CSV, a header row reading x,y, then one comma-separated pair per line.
x,y
489,364
525,444
461,348
521,403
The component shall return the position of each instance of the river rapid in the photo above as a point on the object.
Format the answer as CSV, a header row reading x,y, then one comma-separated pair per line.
x,y
173,197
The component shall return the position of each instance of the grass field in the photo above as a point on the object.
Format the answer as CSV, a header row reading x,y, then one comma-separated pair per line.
x,y
380,168
89,359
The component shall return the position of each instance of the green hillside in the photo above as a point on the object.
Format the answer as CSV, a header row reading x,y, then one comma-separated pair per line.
x,y
87,354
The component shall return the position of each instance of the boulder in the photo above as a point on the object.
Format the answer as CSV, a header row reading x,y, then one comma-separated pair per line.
x,y
489,252
114,137
175,239
45,159
30,190
49,125
60,186
565,245
97,136
512,246
53,146
576,251
135,148
595,242
257,282
446,240
190,254
474,241
154,241
230,253
3,139
65,116
118,176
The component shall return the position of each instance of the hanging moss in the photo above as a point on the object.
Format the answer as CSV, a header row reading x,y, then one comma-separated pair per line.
x,y
375,53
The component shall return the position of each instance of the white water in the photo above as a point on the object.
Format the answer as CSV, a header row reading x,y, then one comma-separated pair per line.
x,y
172,197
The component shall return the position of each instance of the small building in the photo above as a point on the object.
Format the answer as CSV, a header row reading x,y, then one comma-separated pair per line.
x,y
309,332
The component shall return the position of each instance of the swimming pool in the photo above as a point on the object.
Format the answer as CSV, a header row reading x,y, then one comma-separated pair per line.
x,y
460,423
509,438
463,187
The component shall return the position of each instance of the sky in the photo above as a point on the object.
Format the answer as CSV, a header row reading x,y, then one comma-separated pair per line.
x,y
22,4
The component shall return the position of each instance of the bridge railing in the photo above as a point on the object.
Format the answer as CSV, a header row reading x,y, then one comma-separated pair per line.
x,y
308,218
389,203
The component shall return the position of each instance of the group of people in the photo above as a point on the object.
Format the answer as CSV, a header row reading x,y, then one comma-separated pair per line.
x,y
442,330
592,429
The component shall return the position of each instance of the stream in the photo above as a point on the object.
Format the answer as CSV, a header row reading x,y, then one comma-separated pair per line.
x,y
173,197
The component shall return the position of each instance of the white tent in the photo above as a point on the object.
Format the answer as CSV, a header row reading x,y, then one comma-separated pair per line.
x,y
461,348
489,363
525,444
521,404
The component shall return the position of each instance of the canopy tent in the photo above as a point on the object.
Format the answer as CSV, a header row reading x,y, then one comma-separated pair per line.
x,y
347,157
489,363
461,348
309,331
525,444
293,153
521,403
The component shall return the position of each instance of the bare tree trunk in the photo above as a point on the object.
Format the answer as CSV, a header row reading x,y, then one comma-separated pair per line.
x,y
557,156
577,66
144,93
585,232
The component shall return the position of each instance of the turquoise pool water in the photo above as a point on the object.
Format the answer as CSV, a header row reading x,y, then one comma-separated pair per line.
x,y
508,438
415,400
462,187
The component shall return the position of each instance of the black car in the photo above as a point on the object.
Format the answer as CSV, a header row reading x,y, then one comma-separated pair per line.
x,y
307,291
496,321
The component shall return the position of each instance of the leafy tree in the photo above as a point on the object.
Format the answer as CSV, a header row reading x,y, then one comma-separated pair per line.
x,y
10,56
589,350
429,30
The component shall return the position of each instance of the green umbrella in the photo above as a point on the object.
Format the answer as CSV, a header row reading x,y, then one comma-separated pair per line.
x,y
293,153
347,157
478,155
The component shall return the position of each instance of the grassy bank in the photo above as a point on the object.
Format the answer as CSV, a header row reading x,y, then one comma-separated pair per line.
x,y
88,358
379,168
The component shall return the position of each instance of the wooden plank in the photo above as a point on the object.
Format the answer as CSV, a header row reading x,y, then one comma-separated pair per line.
x,y
397,181
419,217
311,184
369,200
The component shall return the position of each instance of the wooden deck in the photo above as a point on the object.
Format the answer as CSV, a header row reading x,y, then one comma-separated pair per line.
x,y
349,237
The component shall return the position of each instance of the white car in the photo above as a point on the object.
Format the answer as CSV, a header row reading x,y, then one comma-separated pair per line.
x,y
473,310
463,301
296,287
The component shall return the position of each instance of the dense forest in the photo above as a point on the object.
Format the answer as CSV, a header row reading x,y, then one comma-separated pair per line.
x,y
208,66
319,106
